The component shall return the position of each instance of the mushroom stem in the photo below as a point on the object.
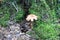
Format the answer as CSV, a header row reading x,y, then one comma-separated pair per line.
x,y
31,24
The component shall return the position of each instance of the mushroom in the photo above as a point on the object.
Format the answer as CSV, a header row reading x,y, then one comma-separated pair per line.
x,y
31,17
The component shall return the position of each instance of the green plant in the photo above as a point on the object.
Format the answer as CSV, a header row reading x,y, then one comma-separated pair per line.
x,y
45,27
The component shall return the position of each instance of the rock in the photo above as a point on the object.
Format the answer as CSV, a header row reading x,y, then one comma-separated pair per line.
x,y
14,38
1,35
25,37
13,32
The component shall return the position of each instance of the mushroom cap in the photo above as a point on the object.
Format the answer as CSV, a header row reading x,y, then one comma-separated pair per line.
x,y
31,17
